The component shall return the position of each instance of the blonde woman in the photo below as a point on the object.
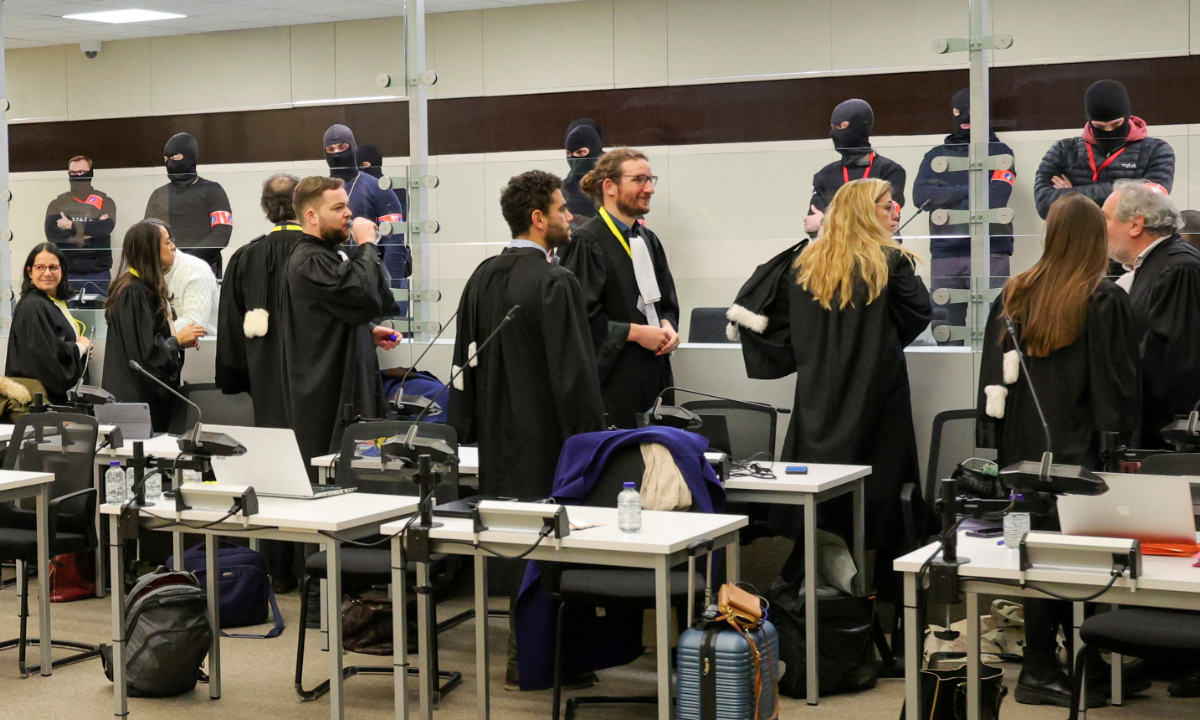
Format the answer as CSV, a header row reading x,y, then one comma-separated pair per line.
x,y
855,302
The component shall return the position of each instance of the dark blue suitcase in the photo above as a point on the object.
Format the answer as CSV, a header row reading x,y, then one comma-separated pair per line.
x,y
715,671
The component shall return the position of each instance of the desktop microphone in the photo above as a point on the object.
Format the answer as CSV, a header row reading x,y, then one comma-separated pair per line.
x,y
924,207
414,445
1184,431
89,394
1046,476
195,442
417,403
684,419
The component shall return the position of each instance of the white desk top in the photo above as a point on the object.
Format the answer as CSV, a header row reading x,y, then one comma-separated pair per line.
x,y
15,479
819,478
329,514
162,446
663,533
991,560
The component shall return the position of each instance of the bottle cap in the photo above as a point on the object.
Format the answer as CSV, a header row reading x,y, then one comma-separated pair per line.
x,y
114,463
631,485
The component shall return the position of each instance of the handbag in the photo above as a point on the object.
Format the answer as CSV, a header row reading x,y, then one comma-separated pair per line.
x,y
72,577
743,611
367,624
244,587
944,692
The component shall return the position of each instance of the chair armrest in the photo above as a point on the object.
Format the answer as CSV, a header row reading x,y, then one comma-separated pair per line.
x,y
909,499
700,547
89,512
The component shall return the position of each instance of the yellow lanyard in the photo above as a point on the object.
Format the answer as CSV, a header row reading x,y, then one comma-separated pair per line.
x,y
134,273
611,226
286,226
79,326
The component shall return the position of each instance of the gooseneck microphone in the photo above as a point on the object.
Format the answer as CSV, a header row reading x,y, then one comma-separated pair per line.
x,y
194,441
1047,456
924,208
417,400
658,400
512,312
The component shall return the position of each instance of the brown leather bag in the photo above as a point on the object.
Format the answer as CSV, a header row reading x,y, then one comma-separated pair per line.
x,y
743,610
367,623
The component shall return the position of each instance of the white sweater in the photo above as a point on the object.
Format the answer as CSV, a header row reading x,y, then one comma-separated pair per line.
x,y
194,293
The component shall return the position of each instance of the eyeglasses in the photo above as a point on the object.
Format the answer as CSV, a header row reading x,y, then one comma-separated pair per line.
x,y
641,180
47,269
78,173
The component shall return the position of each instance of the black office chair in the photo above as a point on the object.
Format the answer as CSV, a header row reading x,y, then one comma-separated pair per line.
x,y
1171,464
63,444
751,427
372,566
1170,636
610,588
218,408
708,326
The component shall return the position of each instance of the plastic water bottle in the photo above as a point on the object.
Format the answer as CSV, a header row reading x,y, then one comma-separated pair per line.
x,y
629,509
153,487
1016,526
114,483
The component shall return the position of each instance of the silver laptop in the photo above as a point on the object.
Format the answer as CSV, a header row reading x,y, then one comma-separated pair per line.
x,y
132,418
272,464
1149,508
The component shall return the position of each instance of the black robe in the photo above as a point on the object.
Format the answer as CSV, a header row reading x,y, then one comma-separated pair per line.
x,y
1166,302
1087,387
536,384
139,330
630,375
254,281
853,403
41,346
329,358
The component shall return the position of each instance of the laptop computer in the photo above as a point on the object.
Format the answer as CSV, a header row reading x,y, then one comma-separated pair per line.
x,y
272,464
1148,508
132,418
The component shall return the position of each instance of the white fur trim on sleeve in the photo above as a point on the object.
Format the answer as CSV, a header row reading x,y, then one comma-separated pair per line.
x,y
1012,367
747,319
732,332
995,400
456,371
255,323
473,353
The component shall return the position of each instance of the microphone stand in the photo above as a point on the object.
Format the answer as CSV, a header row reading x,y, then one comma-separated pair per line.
x,y
1047,456
920,210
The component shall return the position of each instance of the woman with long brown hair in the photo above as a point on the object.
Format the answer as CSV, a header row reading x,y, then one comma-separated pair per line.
x,y
843,312
140,324
1079,336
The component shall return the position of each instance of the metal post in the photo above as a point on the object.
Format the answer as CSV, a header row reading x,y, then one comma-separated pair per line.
x,y
6,291
979,57
418,150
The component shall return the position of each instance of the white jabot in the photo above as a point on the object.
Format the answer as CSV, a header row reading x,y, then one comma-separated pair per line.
x,y
1126,280
647,281
193,289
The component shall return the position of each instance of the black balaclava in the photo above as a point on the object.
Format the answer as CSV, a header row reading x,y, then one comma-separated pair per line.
x,y
854,141
1104,101
961,103
81,183
584,136
343,164
182,172
371,154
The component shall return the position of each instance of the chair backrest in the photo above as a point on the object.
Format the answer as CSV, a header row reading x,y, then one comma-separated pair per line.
x,y
708,326
397,479
63,444
1171,464
218,408
751,427
951,441
624,465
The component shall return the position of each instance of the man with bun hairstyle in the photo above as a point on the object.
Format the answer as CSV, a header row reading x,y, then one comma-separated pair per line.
x,y
627,286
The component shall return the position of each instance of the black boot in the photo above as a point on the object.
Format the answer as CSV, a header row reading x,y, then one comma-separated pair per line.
x,y
1187,686
1052,686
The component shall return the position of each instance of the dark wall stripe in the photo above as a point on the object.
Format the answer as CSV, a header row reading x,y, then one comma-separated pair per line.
x,y
915,103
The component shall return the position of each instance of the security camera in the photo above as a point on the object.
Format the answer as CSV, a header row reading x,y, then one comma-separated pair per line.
x,y
90,48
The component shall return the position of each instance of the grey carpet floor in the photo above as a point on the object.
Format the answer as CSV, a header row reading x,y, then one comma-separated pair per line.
x,y
257,678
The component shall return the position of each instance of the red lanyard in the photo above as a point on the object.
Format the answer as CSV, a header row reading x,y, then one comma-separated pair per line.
x,y
1092,161
867,174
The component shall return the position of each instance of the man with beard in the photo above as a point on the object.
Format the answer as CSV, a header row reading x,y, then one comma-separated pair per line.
x,y
1114,146
197,210
627,287
535,384
367,199
585,145
850,129
328,303
950,245
81,222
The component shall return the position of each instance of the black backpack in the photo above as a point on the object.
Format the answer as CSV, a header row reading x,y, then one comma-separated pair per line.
x,y
167,635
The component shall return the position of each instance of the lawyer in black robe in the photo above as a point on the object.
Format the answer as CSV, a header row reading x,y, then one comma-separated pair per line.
x,y
44,339
249,339
1088,387
536,384
1166,302
329,354
138,329
630,375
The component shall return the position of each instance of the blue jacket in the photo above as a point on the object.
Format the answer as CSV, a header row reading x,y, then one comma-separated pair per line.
x,y
948,191
372,202
595,643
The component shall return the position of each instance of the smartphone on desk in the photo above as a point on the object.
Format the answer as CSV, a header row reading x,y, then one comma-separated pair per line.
x,y
797,470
